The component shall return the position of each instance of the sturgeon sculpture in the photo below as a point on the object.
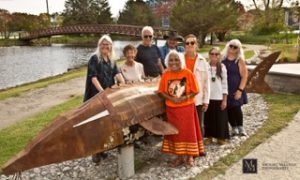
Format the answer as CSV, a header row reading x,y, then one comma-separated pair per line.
x,y
100,124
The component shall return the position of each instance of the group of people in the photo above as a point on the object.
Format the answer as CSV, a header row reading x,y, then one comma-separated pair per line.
x,y
201,96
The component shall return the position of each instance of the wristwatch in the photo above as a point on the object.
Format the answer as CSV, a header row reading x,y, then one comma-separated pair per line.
x,y
240,89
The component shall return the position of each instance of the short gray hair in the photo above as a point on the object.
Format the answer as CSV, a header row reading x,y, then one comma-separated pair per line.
x,y
147,28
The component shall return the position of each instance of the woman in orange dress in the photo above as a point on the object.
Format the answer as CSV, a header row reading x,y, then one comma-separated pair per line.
x,y
178,87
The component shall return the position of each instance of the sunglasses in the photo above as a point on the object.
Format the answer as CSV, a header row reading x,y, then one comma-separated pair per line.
x,y
148,36
214,54
190,43
174,59
233,46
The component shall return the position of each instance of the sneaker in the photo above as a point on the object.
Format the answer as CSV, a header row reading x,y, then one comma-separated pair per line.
x,y
222,142
208,141
234,131
242,131
96,158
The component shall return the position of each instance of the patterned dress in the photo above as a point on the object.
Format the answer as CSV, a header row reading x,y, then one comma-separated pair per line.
x,y
182,115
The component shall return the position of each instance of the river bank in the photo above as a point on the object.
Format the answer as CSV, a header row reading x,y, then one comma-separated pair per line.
x,y
79,40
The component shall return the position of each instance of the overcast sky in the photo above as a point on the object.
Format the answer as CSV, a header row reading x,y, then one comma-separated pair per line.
x,y
39,6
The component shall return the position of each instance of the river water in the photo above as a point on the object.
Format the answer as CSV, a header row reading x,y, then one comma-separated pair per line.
x,y
24,64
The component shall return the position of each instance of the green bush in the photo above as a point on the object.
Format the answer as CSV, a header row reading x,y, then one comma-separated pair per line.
x,y
263,39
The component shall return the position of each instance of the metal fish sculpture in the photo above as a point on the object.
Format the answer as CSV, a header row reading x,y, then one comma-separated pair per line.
x,y
100,124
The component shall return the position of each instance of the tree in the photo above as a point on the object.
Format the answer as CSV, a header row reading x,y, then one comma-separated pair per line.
x,y
136,13
5,18
200,17
296,10
161,10
87,12
229,11
269,16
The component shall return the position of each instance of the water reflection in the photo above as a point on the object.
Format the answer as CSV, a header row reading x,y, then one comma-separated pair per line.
x,y
19,65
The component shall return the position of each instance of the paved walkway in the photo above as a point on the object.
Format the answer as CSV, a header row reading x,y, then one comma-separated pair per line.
x,y
277,158
292,68
15,109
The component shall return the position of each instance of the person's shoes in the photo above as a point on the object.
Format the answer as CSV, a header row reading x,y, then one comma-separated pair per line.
x,y
208,141
222,142
96,158
242,131
103,155
189,161
235,131
177,162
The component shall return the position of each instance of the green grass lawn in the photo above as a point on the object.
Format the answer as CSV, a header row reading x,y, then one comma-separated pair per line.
x,y
282,109
249,54
14,138
288,51
11,42
247,38
15,91
206,48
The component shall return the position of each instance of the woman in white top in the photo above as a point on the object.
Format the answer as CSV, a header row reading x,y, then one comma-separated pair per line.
x,y
215,118
198,65
132,70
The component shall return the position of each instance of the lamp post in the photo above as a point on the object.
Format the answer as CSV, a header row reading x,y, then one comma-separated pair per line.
x,y
48,19
47,7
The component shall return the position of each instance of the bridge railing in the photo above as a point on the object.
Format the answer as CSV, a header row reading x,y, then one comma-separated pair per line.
x,y
128,30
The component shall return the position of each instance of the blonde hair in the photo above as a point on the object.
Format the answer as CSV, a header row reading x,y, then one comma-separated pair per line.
x,y
193,37
147,28
179,56
235,42
111,53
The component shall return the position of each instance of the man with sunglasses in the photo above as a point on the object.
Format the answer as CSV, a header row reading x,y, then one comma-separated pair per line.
x,y
172,39
148,54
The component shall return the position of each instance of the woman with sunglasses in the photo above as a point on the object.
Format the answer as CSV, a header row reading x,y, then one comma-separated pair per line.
x,y
198,65
178,87
148,54
237,75
215,118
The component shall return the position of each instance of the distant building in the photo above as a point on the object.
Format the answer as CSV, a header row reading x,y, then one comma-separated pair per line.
x,y
291,19
162,10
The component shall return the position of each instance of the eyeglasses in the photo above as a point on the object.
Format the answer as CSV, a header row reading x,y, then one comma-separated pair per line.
x,y
174,59
214,54
148,36
233,46
190,43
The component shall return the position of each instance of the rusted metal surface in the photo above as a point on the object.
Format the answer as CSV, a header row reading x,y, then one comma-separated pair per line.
x,y
128,30
256,81
159,127
96,126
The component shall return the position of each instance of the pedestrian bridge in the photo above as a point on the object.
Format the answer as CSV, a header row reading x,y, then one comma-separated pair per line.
x,y
117,29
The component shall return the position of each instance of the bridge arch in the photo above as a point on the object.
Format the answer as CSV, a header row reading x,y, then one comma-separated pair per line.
x,y
127,30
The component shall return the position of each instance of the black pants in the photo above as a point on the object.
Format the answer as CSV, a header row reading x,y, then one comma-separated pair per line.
x,y
201,118
235,116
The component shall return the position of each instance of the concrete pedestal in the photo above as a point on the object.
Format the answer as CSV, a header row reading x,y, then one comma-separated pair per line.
x,y
126,161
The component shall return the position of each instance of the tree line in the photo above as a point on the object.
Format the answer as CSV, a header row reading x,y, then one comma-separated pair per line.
x,y
199,17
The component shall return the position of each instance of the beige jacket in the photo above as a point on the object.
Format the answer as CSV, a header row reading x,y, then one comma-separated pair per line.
x,y
201,71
